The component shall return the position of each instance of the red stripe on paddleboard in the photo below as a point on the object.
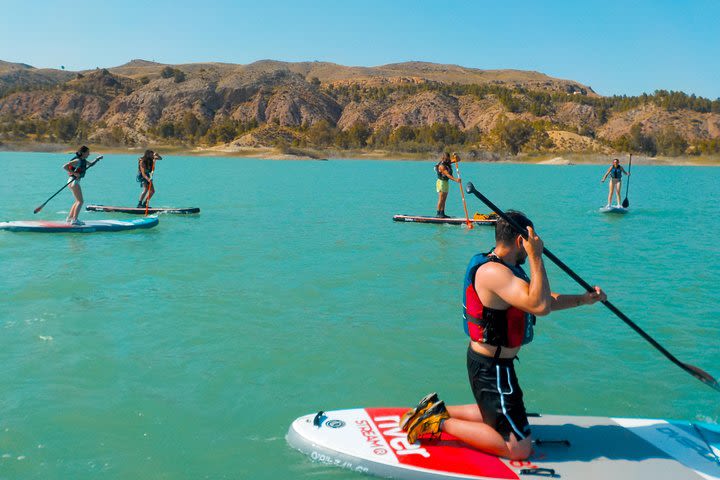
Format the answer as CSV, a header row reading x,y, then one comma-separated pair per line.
x,y
444,455
51,224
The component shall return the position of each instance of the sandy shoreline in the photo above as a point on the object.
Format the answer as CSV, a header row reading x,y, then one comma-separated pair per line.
x,y
265,153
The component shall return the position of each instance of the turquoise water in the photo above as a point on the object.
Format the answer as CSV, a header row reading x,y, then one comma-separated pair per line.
x,y
185,351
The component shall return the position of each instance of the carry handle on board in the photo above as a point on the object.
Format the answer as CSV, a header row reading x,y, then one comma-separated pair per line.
x,y
545,472
696,372
319,419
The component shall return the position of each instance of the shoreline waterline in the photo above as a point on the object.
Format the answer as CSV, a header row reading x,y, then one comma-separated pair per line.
x,y
269,153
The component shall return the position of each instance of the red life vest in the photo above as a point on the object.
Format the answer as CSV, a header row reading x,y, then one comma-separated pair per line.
x,y
509,328
80,168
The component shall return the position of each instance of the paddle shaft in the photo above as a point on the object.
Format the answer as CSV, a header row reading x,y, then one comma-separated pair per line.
x,y
626,202
691,370
462,194
53,196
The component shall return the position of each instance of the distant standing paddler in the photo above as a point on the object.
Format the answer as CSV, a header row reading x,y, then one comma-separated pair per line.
x,y
444,173
76,169
146,167
616,172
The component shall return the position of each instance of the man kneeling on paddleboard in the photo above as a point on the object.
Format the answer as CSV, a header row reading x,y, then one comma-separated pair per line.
x,y
500,303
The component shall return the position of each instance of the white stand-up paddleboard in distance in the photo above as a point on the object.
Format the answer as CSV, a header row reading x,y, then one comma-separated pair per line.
x,y
614,209
369,441
86,227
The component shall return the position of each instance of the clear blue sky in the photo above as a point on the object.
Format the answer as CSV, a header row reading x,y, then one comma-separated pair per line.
x,y
617,47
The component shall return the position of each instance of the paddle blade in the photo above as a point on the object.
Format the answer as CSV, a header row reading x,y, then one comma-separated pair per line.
x,y
38,209
625,203
702,375
470,188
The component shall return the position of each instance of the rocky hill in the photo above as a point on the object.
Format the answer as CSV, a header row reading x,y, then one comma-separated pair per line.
x,y
405,105
14,76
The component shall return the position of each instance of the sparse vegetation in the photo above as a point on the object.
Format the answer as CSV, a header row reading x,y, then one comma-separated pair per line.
x,y
513,134
65,129
170,72
390,114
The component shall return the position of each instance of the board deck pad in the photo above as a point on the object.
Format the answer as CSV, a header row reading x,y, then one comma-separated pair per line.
x,y
573,448
141,210
613,209
450,220
89,226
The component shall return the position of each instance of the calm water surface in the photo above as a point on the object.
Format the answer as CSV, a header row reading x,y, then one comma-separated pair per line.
x,y
185,351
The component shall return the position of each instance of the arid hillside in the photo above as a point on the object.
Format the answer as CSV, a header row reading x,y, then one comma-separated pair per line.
x,y
406,106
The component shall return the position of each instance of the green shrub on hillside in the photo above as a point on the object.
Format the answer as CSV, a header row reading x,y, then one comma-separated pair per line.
x,y
512,135
707,147
321,133
636,141
671,143
170,72
354,137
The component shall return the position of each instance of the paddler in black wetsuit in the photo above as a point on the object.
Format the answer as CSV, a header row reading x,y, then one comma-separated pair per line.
x,y
616,172
444,172
146,167
76,169
500,303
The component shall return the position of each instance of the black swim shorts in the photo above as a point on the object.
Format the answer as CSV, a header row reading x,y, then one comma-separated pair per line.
x,y
498,394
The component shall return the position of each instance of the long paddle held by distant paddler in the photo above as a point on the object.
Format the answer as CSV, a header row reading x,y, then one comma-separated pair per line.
x,y
626,202
462,191
696,372
63,187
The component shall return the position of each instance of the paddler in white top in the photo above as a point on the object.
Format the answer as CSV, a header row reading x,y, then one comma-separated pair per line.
x,y
500,305
76,168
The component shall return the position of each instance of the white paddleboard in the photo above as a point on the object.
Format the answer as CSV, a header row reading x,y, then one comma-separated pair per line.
x,y
369,440
613,209
87,227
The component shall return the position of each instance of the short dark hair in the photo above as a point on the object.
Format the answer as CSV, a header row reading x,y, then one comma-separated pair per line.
x,y
82,150
506,233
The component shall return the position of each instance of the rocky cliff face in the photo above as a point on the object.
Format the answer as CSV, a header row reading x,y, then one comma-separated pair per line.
x,y
139,96
48,105
691,125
